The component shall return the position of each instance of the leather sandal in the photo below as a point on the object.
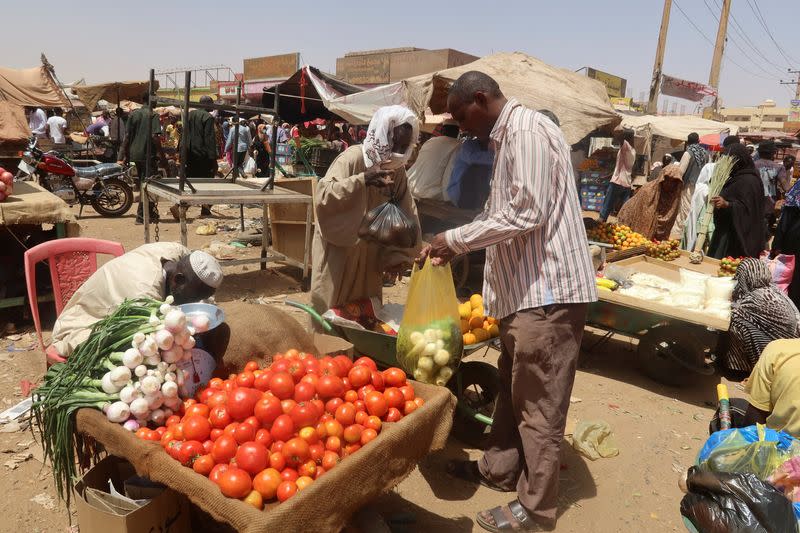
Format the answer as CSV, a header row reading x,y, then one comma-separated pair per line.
x,y
516,519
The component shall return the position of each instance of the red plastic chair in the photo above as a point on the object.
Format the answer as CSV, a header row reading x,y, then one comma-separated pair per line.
x,y
71,262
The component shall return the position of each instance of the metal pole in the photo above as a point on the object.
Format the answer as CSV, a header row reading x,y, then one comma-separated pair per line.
x,y
185,118
655,83
270,184
235,144
149,141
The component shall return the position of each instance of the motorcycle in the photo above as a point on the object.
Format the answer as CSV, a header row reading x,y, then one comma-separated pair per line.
x,y
106,187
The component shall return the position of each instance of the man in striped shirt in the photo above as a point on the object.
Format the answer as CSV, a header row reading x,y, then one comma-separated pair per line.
x,y
538,281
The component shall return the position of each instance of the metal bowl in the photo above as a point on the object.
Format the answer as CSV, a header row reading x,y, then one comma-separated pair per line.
x,y
216,315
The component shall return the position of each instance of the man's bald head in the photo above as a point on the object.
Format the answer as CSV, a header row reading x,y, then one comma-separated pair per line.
x,y
475,102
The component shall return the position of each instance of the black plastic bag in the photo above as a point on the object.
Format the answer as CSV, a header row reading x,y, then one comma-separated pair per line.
x,y
718,502
388,225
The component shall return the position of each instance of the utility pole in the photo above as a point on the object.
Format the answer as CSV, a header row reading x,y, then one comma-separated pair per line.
x,y
796,83
719,48
655,83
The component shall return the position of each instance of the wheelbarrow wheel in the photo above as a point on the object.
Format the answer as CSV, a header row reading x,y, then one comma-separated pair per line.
x,y
672,355
475,385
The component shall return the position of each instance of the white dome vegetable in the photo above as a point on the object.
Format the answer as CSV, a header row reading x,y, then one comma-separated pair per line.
x,y
132,358
175,320
139,408
425,363
107,384
442,357
430,349
118,412
164,339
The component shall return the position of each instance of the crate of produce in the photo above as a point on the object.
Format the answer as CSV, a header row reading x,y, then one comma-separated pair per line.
x,y
328,502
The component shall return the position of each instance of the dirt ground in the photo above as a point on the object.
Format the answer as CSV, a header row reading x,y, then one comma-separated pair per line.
x,y
657,429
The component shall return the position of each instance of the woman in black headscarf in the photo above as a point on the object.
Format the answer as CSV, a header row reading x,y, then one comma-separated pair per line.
x,y
739,210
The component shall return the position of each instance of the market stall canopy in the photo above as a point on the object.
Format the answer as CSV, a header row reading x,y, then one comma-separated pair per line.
x,y
30,87
305,95
674,127
13,124
580,103
713,141
114,92
768,134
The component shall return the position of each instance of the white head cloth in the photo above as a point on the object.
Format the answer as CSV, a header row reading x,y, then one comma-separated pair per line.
x,y
378,142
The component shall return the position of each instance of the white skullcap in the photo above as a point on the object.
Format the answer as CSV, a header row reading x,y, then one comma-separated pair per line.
x,y
207,268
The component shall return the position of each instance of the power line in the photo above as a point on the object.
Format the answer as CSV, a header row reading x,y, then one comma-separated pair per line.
x,y
706,37
736,44
748,41
760,17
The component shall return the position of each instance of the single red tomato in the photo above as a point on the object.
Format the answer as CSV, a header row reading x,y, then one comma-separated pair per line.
x,y
345,364
332,404
219,417
241,402
311,379
327,367
173,448
220,397
264,438
393,414
304,414
330,387
208,445
251,366
297,370
217,470
215,383
377,381
252,457
361,413
350,449
197,409
359,376
267,409
277,461
376,404
352,434
172,420
373,422
292,353
235,483
394,377
282,385
346,414
166,438
309,469
365,361
203,465
230,384
312,365
296,451
308,434
320,405
246,379
329,459
351,395
408,392
266,483
253,421
215,434
362,392
277,446
244,433
224,449
320,471
254,499
279,365
204,395
334,428
286,490
196,427
160,430
333,444
261,382
419,401
287,406
394,397
190,450
289,474
368,435
143,433
409,407
283,428
316,450
304,392
304,481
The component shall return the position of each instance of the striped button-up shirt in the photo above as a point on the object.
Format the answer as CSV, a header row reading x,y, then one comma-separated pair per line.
x,y
536,247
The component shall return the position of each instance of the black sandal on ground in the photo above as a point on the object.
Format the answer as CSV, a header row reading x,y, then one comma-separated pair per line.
x,y
511,517
468,471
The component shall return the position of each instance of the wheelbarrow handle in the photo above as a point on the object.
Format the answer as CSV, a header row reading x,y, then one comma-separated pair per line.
x,y
313,312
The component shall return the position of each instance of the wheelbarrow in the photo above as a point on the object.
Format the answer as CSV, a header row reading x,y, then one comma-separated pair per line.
x,y
475,384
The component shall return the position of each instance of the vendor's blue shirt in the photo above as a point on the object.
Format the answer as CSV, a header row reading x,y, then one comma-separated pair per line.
x,y
471,154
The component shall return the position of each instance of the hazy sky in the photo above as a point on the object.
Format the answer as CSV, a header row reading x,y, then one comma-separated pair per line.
x,y
98,42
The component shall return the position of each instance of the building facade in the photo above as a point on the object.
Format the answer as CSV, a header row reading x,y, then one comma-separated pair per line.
x,y
763,117
378,67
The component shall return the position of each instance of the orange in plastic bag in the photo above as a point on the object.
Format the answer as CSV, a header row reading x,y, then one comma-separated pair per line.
x,y
429,343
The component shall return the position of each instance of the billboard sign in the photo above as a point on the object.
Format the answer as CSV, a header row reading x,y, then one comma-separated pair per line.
x,y
615,86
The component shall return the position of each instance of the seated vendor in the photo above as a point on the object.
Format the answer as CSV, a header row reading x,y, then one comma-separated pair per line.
x,y
773,391
345,267
153,270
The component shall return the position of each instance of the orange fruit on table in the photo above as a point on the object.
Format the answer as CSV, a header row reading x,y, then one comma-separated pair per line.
x,y
476,300
494,330
469,338
478,311
481,334
476,322
464,326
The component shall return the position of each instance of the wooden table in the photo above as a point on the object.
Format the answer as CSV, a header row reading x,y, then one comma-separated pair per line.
x,y
216,191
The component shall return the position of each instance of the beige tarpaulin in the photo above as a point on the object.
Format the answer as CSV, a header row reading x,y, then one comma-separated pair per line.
x,y
111,92
13,124
31,204
677,127
580,103
31,87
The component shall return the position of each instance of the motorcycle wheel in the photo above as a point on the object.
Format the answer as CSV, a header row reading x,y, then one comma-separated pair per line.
x,y
114,200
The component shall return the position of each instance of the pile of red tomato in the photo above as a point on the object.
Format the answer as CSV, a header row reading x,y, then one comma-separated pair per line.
x,y
265,434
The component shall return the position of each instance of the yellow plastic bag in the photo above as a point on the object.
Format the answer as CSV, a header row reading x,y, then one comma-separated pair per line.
x,y
429,343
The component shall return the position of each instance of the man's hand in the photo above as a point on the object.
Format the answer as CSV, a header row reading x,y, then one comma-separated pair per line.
x,y
438,251
719,202
377,177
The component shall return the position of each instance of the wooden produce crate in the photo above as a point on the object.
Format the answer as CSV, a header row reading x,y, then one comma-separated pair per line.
x,y
288,222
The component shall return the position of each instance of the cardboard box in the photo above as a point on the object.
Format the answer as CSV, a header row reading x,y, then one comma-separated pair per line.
x,y
330,345
98,512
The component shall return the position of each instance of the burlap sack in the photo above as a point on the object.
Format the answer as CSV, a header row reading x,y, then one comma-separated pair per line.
x,y
327,504
254,331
